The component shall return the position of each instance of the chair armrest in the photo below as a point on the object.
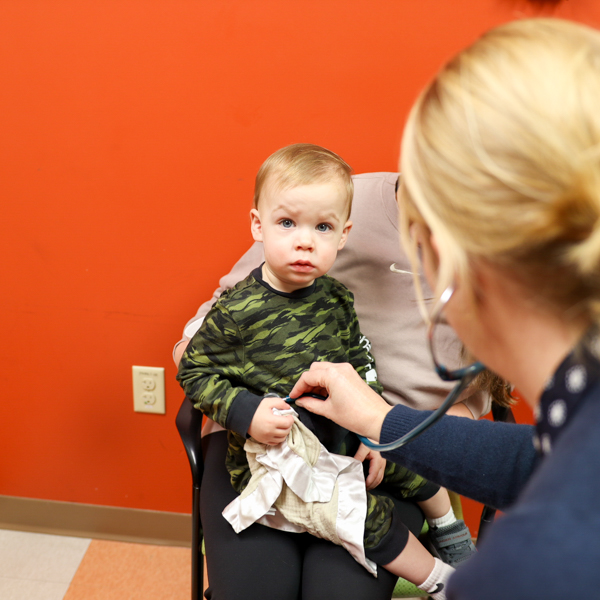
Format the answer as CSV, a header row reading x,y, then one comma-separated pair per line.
x,y
189,425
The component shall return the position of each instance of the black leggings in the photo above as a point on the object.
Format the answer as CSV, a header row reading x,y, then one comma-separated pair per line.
x,y
267,564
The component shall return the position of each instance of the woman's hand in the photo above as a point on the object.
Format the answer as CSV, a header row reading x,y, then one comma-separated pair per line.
x,y
376,465
351,402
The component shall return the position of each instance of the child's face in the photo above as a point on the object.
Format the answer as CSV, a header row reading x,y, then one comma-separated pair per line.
x,y
302,229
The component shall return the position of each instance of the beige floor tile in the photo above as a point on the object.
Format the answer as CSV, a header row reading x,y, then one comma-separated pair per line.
x,y
22,589
40,558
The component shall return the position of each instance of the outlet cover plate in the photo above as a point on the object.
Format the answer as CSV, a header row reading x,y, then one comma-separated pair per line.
x,y
149,389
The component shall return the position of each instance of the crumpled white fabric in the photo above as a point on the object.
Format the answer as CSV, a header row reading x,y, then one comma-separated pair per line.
x,y
299,486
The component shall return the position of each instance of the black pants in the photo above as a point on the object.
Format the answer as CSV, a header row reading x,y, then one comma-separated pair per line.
x,y
267,564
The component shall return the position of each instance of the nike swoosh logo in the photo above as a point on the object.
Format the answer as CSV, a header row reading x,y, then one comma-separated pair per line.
x,y
439,588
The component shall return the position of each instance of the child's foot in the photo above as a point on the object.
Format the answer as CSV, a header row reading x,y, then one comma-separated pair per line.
x,y
435,584
452,543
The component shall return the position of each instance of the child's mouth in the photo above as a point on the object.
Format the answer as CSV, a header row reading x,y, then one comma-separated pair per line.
x,y
302,266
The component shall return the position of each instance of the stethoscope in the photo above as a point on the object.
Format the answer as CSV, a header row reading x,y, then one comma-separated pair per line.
x,y
464,376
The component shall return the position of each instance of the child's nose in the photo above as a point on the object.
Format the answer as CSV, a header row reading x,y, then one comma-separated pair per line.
x,y
305,240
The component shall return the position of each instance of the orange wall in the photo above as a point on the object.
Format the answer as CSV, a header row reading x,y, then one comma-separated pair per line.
x,y
130,134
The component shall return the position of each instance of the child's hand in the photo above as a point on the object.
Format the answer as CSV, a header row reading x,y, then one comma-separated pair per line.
x,y
268,428
376,466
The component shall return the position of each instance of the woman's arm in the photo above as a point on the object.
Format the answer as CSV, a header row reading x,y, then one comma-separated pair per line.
x,y
490,462
483,460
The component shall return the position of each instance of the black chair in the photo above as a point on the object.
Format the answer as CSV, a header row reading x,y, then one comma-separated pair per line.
x,y
189,425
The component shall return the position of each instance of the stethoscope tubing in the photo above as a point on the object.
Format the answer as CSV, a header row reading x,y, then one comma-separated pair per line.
x,y
433,418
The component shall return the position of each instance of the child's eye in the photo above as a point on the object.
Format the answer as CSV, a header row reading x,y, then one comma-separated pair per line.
x,y
287,223
323,227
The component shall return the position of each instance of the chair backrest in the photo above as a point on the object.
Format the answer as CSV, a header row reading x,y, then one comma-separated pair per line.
x,y
189,425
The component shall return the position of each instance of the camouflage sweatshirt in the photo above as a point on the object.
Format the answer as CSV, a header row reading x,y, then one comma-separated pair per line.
x,y
257,340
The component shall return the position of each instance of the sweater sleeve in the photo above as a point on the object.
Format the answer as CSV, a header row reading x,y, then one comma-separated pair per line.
x,y
483,460
211,370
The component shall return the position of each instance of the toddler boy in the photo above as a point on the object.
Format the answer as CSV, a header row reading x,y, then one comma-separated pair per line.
x,y
263,333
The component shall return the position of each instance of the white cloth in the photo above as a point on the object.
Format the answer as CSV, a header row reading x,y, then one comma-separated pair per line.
x,y
299,486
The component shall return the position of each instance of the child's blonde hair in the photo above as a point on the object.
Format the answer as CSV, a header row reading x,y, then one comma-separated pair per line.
x,y
501,160
303,164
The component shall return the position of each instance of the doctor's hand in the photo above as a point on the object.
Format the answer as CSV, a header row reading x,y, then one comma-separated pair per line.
x,y
351,403
267,427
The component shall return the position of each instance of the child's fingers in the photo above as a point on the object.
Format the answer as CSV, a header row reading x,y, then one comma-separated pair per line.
x,y
281,431
375,476
276,439
278,403
361,453
284,423
376,469
278,428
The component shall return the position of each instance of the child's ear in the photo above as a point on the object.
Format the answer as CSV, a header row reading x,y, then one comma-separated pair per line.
x,y
255,225
347,228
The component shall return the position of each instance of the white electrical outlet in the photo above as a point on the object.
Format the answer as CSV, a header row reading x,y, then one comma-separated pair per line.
x,y
149,390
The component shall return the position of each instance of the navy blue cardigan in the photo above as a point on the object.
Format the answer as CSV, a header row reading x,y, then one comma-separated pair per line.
x,y
547,545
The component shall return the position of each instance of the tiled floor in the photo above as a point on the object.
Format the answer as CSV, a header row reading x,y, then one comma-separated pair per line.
x,y
35,566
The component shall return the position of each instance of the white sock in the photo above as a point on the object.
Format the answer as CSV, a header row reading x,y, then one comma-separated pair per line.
x,y
447,519
435,584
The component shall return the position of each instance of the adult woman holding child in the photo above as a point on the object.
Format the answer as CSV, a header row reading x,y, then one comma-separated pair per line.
x,y
271,563
280,564
501,194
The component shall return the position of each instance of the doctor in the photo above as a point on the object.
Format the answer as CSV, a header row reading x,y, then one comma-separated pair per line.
x,y
501,199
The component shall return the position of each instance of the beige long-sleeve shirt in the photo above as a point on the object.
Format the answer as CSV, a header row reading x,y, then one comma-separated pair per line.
x,y
385,301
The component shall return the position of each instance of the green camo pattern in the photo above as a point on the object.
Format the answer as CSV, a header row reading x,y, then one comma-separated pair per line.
x,y
254,339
